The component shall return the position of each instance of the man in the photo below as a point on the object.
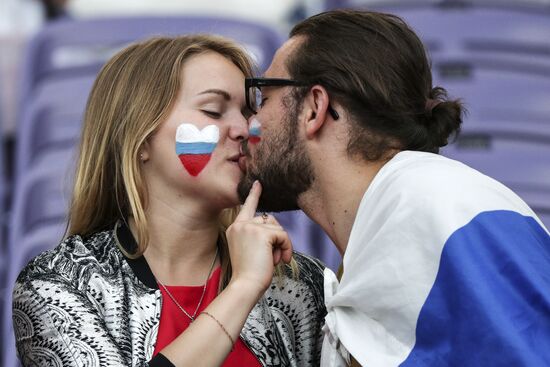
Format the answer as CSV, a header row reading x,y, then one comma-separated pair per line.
x,y
442,266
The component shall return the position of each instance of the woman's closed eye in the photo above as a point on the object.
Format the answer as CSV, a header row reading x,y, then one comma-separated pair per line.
x,y
212,114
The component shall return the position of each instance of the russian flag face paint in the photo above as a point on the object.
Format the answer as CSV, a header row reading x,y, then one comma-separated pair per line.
x,y
194,147
255,131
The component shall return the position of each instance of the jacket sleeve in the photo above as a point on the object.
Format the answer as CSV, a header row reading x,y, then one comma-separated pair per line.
x,y
55,325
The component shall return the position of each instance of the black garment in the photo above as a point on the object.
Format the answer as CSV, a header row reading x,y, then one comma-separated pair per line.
x,y
85,304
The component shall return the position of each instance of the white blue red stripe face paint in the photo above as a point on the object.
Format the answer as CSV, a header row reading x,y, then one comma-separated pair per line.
x,y
194,147
255,131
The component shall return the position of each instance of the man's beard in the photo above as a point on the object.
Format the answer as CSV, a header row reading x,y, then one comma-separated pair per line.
x,y
282,166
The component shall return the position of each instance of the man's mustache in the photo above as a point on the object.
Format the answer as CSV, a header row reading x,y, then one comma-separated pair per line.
x,y
244,148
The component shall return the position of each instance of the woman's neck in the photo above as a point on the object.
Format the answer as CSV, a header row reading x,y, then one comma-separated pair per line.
x,y
182,244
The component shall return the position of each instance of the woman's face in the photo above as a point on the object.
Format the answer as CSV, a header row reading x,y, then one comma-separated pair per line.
x,y
194,154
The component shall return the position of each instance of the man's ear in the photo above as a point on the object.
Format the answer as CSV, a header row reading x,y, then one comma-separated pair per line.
x,y
317,102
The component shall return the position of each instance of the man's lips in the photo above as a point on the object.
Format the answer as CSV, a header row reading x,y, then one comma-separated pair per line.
x,y
242,163
235,158
240,160
244,154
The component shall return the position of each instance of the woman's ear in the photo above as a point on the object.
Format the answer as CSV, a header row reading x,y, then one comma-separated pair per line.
x,y
143,154
317,102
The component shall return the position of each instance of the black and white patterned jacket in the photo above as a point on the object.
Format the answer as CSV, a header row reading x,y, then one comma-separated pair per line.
x,y
85,304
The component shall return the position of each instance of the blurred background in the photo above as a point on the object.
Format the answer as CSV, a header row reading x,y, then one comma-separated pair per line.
x,y
494,54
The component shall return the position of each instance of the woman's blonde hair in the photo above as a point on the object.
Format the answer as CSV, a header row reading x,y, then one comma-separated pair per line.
x,y
132,95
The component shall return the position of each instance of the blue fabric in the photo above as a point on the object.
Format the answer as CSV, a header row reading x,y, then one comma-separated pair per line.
x,y
490,303
194,148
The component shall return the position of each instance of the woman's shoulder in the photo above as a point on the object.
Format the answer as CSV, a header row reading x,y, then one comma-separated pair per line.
x,y
72,259
296,305
310,269
300,287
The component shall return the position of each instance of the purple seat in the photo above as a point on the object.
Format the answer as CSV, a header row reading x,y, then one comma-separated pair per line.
x,y
503,34
3,262
42,195
70,48
524,168
3,190
52,119
507,102
28,247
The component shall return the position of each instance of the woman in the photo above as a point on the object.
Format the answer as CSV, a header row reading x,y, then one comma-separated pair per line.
x,y
147,274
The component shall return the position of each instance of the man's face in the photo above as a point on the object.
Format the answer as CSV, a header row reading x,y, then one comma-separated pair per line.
x,y
278,159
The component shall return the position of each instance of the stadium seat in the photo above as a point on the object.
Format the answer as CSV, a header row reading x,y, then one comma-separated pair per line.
x,y
42,195
498,33
3,248
3,185
69,48
513,4
52,120
524,168
502,101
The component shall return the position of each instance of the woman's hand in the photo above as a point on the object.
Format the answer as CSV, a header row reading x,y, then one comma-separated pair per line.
x,y
256,244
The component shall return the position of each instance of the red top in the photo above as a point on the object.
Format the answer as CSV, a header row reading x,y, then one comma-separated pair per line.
x,y
173,322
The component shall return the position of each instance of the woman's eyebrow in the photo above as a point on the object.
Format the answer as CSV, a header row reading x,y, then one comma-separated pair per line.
x,y
226,96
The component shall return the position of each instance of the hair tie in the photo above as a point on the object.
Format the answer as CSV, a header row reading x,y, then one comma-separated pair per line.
x,y
431,104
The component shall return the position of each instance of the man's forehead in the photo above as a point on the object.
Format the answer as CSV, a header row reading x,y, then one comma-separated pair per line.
x,y
278,69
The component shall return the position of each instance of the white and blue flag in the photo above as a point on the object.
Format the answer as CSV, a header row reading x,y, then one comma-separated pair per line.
x,y
444,267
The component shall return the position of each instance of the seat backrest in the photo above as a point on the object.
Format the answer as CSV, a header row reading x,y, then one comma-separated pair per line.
x,y
498,36
51,120
3,216
2,177
42,195
79,47
523,167
497,99
500,33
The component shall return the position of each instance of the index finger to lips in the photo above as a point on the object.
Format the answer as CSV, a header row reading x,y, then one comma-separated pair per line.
x,y
248,210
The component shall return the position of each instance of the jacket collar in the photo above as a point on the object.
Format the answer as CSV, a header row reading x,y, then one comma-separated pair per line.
x,y
139,265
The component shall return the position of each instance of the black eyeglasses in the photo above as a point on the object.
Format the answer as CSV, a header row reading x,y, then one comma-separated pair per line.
x,y
253,91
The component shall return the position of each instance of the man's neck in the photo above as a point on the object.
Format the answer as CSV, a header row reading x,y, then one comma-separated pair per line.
x,y
334,198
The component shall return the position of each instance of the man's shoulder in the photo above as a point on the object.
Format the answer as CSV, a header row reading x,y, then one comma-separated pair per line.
x,y
429,179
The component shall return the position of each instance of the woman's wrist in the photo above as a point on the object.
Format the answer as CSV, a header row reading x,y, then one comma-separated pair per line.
x,y
246,289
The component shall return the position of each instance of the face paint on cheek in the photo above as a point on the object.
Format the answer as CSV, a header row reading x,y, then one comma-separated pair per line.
x,y
255,131
194,147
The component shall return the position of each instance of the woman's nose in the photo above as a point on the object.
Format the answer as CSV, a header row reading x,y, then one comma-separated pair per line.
x,y
239,129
